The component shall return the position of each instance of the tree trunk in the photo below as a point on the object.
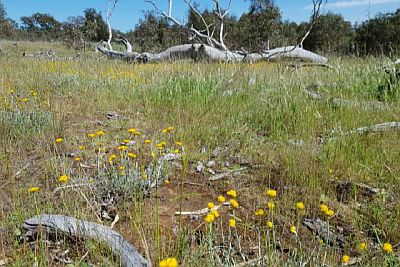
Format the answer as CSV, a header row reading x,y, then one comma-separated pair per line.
x,y
204,52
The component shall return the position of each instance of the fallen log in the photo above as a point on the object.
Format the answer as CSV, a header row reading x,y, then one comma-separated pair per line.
x,y
382,127
70,226
204,52
48,54
338,102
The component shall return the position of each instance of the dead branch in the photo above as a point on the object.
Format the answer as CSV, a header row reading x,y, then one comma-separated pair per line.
x,y
126,42
208,36
382,127
308,65
314,18
377,128
201,211
338,102
46,54
110,10
226,174
70,226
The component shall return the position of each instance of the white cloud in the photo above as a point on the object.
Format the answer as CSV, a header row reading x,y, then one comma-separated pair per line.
x,y
355,3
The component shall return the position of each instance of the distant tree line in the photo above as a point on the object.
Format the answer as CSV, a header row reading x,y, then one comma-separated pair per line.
x,y
259,28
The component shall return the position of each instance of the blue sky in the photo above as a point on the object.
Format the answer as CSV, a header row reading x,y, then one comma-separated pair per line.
x,y
128,12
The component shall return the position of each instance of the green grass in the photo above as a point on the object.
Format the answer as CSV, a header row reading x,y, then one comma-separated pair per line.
x,y
210,106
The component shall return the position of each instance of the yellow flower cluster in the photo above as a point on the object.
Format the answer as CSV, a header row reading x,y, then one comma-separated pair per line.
x,y
326,210
169,262
63,178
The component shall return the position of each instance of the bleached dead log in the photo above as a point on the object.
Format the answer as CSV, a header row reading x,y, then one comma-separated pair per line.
x,y
374,105
46,54
72,227
205,52
382,127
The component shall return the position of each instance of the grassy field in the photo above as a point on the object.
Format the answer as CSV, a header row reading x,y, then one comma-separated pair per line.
x,y
254,118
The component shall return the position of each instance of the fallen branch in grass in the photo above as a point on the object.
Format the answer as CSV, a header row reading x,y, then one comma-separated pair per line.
x,y
377,128
338,102
382,127
308,65
226,174
70,226
201,211
48,54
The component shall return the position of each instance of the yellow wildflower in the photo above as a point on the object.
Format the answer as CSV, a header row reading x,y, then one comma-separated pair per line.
x,y
25,99
232,223
259,212
77,158
300,205
293,230
148,141
160,146
215,213
176,151
132,155
111,158
63,178
178,143
387,247
221,199
121,168
330,213
122,148
100,133
169,262
324,208
33,189
232,193
126,141
270,205
362,246
33,93
166,181
91,135
271,193
209,218
81,147
168,130
345,258
59,140
210,205
234,203
132,130
270,225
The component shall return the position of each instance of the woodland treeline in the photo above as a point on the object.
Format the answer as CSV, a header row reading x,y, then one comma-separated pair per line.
x,y
259,28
